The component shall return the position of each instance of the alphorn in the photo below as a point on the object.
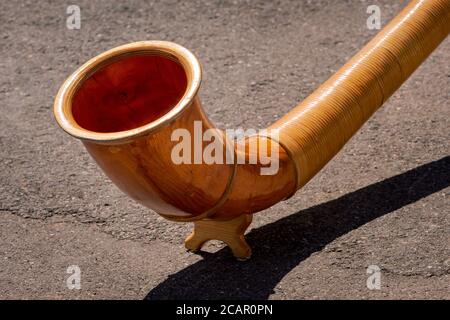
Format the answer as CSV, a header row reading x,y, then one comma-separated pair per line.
x,y
126,104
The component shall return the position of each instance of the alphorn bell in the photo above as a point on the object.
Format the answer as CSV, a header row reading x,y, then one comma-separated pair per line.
x,y
126,103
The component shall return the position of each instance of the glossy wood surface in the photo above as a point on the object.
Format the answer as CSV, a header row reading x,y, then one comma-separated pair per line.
x,y
143,168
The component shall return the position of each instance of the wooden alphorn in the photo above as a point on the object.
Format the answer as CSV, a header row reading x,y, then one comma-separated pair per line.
x,y
127,103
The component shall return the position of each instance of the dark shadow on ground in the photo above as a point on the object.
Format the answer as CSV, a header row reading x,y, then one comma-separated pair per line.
x,y
280,246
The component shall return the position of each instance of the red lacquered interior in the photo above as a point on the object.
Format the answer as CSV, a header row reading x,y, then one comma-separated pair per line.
x,y
129,93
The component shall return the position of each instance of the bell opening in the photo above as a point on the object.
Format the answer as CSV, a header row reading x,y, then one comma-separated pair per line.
x,y
129,93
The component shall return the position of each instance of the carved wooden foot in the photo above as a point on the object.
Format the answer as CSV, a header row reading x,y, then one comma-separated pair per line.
x,y
231,232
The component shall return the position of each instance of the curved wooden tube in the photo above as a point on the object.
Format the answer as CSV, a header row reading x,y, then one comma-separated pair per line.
x,y
318,128
126,103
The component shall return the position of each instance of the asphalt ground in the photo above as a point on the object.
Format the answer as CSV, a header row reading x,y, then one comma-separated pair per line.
x,y
383,200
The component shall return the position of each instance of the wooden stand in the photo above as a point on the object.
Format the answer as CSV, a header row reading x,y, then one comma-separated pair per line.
x,y
231,232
